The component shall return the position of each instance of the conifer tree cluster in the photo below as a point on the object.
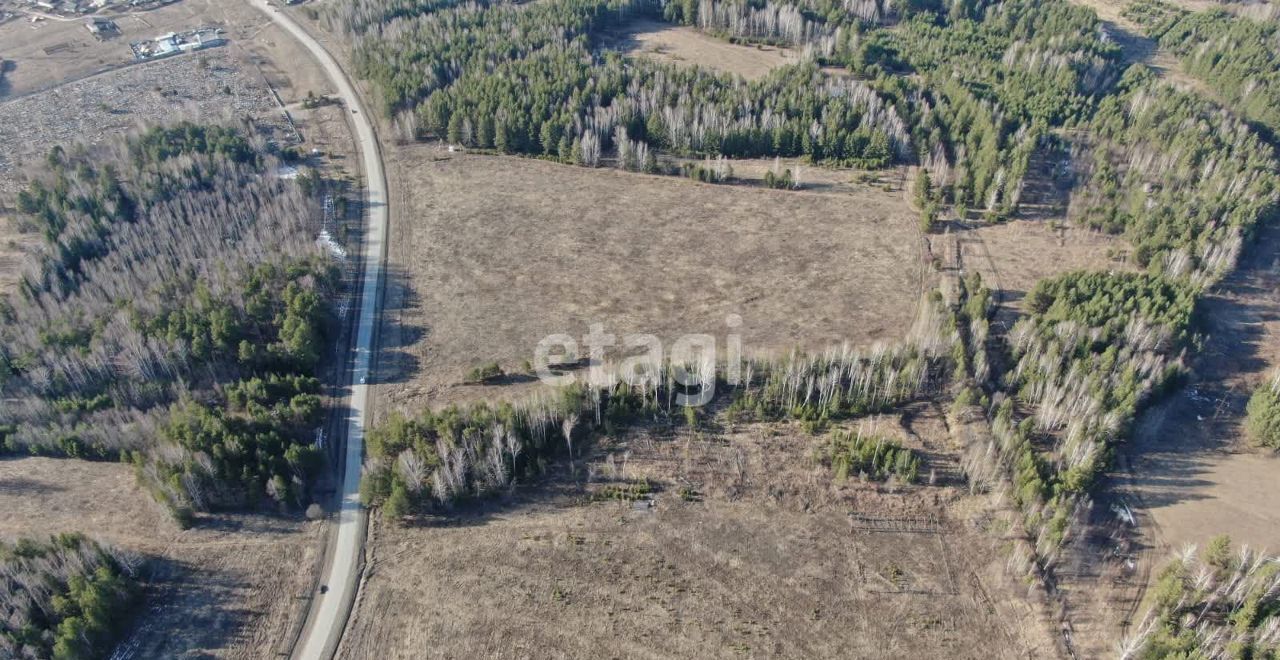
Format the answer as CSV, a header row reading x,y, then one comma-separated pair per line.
x,y
67,598
968,90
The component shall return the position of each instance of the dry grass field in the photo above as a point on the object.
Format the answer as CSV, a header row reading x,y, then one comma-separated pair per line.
x,y
231,587
12,246
769,558
686,46
491,254
1013,256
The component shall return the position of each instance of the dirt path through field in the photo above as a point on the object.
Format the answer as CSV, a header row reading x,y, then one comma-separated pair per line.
x,y
1192,468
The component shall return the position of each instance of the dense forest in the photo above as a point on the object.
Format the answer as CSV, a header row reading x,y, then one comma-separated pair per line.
x,y
982,87
969,91
1234,56
1182,178
1217,602
1188,184
175,316
68,598
1092,350
527,79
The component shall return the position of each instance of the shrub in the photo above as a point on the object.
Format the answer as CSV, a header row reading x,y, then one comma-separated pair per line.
x,y
624,492
397,505
484,373
877,457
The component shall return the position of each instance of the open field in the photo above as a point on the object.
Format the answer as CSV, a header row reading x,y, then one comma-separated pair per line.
x,y
770,558
1107,8
495,253
1013,256
234,80
212,85
226,588
492,254
687,46
684,580
75,10
12,248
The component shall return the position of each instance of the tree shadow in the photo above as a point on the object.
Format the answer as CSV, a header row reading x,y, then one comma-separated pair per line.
x,y
22,485
940,466
391,362
1008,307
6,66
511,379
565,483
263,520
189,610
1177,441
394,362
1137,48
1047,184
546,491
624,38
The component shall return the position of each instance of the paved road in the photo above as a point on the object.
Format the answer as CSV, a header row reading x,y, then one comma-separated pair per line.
x,y
329,611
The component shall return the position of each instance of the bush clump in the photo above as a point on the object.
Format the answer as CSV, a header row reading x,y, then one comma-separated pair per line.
x,y
484,373
876,457
1263,420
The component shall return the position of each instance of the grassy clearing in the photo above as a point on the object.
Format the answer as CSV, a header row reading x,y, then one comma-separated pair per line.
x,y
687,46
493,254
